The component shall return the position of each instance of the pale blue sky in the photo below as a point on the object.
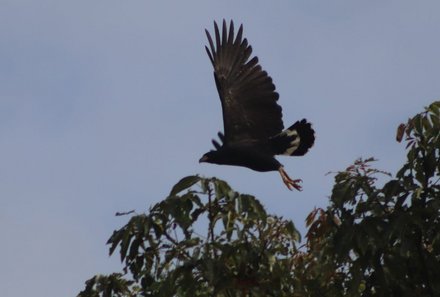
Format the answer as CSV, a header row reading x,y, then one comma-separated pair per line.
x,y
104,105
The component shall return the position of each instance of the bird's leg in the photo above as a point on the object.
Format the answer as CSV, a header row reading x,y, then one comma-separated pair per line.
x,y
290,183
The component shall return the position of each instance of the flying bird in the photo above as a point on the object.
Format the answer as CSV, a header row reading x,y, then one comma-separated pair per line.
x,y
252,120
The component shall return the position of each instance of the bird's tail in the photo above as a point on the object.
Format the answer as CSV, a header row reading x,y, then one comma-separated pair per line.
x,y
295,140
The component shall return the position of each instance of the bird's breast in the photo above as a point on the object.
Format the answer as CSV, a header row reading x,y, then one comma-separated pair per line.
x,y
252,158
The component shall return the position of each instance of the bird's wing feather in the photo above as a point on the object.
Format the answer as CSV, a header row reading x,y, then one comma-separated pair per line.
x,y
247,94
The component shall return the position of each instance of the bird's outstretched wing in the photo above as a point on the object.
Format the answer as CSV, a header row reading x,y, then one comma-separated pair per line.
x,y
247,94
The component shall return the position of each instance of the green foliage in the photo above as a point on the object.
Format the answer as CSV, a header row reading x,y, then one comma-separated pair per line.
x,y
109,285
380,241
205,239
244,250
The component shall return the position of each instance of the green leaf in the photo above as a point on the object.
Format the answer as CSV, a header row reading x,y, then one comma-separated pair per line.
x,y
184,183
417,121
429,164
292,231
435,108
426,124
114,240
125,243
420,175
435,119
228,224
222,188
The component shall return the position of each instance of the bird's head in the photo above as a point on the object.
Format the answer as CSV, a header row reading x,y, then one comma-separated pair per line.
x,y
209,157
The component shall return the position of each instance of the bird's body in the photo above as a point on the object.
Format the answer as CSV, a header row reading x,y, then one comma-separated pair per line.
x,y
251,116
255,156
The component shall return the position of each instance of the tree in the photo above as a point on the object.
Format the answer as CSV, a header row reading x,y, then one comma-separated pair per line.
x,y
380,241
370,241
244,251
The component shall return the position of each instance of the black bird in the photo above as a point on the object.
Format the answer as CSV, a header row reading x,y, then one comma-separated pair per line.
x,y
252,119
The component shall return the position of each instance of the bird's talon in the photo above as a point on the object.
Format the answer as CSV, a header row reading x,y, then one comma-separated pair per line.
x,y
295,184
290,183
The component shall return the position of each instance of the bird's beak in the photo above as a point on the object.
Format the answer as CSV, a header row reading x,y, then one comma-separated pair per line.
x,y
203,159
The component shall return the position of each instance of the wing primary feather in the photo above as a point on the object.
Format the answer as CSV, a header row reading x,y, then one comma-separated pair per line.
x,y
216,144
230,54
224,33
221,136
231,33
211,45
255,75
217,37
223,52
209,55
237,59
252,62
242,58
247,51
250,71
239,34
